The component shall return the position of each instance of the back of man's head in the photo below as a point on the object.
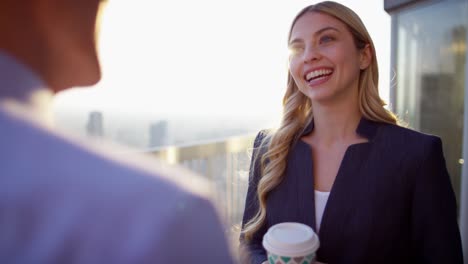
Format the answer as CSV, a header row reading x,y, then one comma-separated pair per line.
x,y
55,38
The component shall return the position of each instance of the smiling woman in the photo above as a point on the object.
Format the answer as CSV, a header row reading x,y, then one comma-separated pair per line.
x,y
374,192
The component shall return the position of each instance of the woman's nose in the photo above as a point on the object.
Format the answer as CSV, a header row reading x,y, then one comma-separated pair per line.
x,y
311,54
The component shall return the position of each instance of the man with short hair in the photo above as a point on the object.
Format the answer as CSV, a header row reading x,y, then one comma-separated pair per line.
x,y
63,201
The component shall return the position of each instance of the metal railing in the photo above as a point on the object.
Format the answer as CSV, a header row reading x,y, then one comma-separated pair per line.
x,y
223,162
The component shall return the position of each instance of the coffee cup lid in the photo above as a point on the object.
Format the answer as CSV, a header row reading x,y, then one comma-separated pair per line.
x,y
291,239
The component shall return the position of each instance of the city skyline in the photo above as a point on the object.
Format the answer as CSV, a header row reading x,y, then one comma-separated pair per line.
x,y
147,133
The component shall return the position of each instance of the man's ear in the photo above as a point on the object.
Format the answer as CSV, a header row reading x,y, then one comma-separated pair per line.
x,y
366,57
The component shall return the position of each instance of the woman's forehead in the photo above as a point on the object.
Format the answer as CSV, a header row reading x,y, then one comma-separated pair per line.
x,y
315,21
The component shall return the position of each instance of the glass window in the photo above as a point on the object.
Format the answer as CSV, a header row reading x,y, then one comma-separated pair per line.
x,y
431,59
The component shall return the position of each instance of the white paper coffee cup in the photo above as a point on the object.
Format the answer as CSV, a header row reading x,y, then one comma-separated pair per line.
x,y
290,243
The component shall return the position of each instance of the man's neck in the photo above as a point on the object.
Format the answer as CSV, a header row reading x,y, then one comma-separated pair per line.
x,y
20,86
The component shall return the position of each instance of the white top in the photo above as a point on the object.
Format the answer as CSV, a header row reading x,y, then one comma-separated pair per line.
x,y
321,199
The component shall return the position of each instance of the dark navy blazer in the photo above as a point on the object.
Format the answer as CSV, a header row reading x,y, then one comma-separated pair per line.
x,y
391,202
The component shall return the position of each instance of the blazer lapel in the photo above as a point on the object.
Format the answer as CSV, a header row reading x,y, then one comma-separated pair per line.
x,y
343,199
300,168
345,195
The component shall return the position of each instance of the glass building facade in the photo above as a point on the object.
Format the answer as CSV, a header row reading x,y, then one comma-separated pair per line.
x,y
429,74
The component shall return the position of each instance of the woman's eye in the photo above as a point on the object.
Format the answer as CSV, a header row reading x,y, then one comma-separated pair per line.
x,y
326,39
295,50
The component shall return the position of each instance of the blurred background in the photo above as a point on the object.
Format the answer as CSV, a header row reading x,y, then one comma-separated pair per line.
x,y
192,82
176,72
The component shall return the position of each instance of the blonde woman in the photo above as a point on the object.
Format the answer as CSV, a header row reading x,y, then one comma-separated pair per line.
x,y
374,192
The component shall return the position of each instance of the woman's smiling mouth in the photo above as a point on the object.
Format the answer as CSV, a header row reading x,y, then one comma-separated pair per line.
x,y
318,76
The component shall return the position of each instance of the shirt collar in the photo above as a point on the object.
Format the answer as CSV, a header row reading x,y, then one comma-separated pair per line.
x,y
17,80
21,87
366,128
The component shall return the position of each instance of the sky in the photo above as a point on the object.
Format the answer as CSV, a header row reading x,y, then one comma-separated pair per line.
x,y
203,58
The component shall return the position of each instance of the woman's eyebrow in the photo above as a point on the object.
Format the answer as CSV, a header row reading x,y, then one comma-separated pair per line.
x,y
318,32
294,41
325,29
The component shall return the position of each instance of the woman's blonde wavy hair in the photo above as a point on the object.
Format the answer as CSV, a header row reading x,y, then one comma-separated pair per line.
x,y
297,111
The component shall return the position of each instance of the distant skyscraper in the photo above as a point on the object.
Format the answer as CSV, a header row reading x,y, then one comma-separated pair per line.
x,y
158,134
94,126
